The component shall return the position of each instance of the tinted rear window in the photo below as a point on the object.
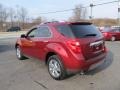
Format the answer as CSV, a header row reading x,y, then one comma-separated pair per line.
x,y
106,30
78,31
115,30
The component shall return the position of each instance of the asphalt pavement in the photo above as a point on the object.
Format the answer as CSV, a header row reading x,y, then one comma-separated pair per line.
x,y
7,35
32,74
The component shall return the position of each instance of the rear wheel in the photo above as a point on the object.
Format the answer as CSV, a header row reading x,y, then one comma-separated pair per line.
x,y
56,68
19,54
113,38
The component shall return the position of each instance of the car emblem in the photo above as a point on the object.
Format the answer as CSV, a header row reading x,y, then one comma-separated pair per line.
x,y
97,48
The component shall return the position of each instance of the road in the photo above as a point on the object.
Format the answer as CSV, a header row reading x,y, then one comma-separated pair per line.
x,y
32,74
4,35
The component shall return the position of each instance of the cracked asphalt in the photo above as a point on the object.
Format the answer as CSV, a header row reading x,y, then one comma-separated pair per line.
x,y
32,74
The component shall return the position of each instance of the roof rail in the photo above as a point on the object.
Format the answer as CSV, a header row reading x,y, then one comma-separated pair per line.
x,y
50,22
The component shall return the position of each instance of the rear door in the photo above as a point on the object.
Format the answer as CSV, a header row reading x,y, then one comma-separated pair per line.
x,y
43,35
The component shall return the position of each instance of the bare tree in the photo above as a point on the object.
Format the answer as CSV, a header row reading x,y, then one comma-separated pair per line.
x,y
22,15
79,13
38,20
3,17
84,13
11,16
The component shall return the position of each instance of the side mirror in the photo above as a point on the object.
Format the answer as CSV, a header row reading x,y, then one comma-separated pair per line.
x,y
23,36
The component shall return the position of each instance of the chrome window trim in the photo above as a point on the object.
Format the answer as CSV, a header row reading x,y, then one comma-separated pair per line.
x,y
32,29
97,43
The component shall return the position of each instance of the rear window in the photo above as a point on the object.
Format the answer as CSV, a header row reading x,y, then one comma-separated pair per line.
x,y
107,30
115,30
79,31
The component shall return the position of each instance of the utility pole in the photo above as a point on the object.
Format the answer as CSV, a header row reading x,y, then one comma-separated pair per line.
x,y
91,7
119,12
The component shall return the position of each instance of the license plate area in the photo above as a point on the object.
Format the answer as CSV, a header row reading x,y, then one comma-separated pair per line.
x,y
96,46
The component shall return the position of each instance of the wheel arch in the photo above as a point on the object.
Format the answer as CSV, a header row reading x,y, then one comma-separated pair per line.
x,y
18,42
16,45
48,55
56,49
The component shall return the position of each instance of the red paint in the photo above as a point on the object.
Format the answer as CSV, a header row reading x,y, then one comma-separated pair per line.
x,y
76,54
110,33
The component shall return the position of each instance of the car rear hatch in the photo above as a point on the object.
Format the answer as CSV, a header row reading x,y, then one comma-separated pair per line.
x,y
91,47
90,38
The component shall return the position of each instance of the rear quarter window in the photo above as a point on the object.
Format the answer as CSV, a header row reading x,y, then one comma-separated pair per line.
x,y
65,30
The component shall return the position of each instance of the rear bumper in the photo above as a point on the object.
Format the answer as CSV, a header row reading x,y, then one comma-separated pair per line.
x,y
83,65
108,37
94,61
93,66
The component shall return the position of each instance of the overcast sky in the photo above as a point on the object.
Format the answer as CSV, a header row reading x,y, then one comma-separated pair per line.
x,y
35,7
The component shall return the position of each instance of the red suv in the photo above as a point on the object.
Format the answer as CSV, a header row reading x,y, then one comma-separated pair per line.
x,y
64,47
111,34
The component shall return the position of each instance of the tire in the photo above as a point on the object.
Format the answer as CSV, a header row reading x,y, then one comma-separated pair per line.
x,y
56,68
113,38
19,54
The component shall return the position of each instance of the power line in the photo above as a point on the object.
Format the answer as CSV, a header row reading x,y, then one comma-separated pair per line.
x,y
93,5
62,10
105,3
81,7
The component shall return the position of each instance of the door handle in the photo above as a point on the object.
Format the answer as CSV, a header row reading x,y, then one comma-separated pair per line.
x,y
45,41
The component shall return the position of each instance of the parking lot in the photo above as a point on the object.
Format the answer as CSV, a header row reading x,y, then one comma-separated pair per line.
x,y
33,75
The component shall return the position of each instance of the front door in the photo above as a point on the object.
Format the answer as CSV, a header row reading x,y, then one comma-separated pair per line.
x,y
29,43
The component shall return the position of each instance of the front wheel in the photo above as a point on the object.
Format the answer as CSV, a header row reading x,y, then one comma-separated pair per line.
x,y
19,54
56,68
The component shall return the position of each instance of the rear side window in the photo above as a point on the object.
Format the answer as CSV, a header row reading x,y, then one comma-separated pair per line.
x,y
43,32
65,30
79,31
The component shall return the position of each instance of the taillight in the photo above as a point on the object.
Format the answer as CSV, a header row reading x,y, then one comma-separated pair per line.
x,y
105,34
74,46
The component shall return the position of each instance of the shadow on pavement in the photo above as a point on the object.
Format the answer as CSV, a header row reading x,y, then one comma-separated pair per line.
x,y
4,48
105,65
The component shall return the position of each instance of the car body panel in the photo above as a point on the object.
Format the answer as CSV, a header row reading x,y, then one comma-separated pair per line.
x,y
110,33
37,47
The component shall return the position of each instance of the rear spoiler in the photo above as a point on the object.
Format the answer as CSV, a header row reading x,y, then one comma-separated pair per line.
x,y
81,23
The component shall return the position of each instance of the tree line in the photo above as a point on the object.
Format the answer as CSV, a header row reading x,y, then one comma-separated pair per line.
x,y
10,17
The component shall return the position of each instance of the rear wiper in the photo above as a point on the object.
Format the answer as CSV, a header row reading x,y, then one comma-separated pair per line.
x,y
90,35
